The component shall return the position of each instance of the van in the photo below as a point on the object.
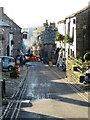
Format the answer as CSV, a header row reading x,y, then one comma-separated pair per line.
x,y
7,62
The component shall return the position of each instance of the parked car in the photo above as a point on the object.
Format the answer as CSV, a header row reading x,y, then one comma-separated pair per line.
x,y
34,59
7,62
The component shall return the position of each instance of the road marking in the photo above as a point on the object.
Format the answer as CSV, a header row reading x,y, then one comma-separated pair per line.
x,y
80,94
20,105
17,103
78,87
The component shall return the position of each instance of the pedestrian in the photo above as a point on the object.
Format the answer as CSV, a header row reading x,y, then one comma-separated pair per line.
x,y
21,60
87,75
29,51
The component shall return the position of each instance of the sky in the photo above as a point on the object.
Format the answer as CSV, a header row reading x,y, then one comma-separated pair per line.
x,y
33,13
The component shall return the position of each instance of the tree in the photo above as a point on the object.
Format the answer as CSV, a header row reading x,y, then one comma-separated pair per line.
x,y
59,37
67,39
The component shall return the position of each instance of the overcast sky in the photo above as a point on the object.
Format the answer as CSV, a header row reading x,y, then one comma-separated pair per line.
x,y
28,13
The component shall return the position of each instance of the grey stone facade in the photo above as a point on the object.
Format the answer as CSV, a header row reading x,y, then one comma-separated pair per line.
x,y
82,32
48,39
16,35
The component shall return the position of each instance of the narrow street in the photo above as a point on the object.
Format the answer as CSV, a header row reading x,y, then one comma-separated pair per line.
x,y
47,94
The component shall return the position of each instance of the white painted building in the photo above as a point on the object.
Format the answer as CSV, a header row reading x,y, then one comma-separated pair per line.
x,y
77,29
61,27
62,31
68,26
71,30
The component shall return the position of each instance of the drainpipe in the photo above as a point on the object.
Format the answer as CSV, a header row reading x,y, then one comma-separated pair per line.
x,y
1,87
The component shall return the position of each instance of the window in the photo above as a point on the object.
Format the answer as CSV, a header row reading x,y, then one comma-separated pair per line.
x,y
68,52
69,27
72,53
74,21
72,34
6,60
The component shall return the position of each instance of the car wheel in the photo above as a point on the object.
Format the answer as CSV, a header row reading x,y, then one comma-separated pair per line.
x,y
9,68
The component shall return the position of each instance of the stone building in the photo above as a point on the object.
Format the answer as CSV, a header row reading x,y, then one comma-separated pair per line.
x,y
4,40
82,31
48,39
12,43
77,26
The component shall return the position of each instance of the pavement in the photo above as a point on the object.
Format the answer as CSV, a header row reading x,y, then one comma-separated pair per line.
x,y
47,94
85,88
12,85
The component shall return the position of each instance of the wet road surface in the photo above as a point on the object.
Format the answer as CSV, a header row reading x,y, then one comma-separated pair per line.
x,y
47,94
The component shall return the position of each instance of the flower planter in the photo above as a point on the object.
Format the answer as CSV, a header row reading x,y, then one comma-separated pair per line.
x,y
82,79
13,75
50,63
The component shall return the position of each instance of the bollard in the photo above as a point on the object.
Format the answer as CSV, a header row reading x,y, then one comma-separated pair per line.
x,y
3,87
0,97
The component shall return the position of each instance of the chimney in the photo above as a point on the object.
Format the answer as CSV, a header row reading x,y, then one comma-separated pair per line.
x,y
1,12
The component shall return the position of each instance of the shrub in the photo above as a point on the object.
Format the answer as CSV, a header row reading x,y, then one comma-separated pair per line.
x,y
67,39
87,56
14,69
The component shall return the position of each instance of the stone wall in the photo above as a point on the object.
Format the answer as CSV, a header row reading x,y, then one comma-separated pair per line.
x,y
89,28
12,26
5,42
17,35
73,76
82,32
48,49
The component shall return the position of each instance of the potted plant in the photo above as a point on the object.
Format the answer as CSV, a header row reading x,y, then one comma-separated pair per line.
x,y
13,73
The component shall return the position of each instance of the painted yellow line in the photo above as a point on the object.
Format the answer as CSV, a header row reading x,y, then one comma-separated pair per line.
x,y
80,94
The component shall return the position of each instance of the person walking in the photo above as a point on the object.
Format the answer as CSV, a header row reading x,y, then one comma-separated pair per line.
x,y
21,60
